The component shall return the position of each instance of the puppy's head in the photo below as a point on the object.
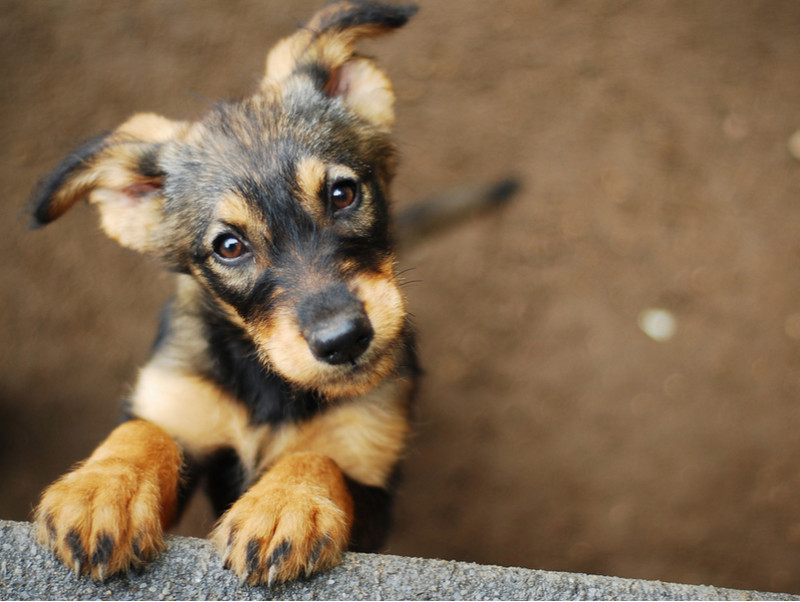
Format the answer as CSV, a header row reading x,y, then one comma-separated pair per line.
x,y
276,204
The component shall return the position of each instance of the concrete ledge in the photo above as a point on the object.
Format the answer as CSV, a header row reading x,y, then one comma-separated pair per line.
x,y
190,569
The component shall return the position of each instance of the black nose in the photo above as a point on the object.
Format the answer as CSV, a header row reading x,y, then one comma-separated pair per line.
x,y
341,338
335,326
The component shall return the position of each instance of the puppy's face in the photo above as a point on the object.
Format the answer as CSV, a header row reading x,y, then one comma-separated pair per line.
x,y
276,205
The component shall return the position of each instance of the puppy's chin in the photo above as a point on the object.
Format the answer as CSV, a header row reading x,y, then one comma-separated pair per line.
x,y
358,378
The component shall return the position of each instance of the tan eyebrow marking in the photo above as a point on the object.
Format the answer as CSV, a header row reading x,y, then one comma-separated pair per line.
x,y
235,210
310,173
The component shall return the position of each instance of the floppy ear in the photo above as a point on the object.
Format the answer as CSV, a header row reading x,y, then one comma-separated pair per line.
x,y
117,172
325,50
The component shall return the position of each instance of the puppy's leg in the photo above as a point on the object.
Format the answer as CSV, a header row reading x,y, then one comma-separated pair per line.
x,y
109,513
293,521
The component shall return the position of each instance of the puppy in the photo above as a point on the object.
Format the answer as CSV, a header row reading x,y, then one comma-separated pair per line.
x,y
281,378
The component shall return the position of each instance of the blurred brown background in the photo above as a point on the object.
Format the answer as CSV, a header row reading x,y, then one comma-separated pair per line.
x,y
553,432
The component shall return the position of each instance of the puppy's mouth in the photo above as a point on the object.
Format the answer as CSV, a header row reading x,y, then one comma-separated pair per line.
x,y
334,371
355,376
336,342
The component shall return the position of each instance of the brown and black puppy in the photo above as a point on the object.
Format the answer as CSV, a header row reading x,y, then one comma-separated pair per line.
x,y
282,375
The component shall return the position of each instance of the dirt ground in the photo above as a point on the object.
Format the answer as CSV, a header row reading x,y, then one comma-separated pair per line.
x,y
553,432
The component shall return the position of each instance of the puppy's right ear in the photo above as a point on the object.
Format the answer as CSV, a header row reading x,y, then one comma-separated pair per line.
x,y
119,173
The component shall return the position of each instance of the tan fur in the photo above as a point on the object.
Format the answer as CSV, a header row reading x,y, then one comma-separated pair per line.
x,y
121,498
149,127
337,172
122,220
383,302
310,174
295,520
368,92
235,211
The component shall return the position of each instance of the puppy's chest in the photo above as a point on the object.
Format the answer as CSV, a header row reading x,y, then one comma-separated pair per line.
x,y
205,417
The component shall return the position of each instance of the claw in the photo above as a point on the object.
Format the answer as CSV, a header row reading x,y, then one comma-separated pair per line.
x,y
103,547
281,552
316,553
244,576
253,561
79,557
313,558
276,560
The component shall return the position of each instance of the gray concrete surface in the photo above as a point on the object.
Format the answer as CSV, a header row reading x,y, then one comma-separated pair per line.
x,y
190,569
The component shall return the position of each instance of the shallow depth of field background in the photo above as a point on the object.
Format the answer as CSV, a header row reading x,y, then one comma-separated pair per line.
x,y
553,432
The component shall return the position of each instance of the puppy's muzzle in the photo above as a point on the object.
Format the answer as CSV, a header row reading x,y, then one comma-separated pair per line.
x,y
335,326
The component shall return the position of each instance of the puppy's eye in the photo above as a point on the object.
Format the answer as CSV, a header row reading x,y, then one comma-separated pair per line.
x,y
228,246
344,194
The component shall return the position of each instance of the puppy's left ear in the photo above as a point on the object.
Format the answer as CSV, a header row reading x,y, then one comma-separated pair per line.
x,y
324,50
117,172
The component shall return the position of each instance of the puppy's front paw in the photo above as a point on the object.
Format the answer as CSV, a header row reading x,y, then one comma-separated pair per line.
x,y
102,518
293,522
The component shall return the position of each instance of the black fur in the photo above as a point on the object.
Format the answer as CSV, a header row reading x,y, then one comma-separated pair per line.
x,y
364,12
40,206
226,479
372,514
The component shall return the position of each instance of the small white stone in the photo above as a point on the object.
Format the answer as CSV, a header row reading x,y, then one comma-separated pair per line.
x,y
794,145
659,324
